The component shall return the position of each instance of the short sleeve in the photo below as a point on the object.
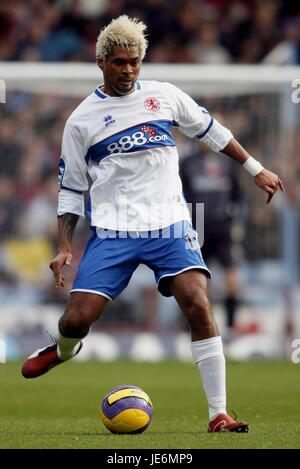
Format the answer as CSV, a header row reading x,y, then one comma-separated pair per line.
x,y
195,121
72,172
188,115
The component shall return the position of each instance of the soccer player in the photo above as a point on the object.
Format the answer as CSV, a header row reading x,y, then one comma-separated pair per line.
x,y
120,135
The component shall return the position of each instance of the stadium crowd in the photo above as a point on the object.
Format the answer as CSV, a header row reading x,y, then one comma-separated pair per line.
x,y
211,31
185,31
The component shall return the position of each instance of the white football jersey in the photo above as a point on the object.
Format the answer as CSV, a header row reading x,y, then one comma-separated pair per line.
x,y
126,146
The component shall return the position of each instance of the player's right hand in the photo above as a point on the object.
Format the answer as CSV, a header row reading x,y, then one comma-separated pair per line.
x,y
56,265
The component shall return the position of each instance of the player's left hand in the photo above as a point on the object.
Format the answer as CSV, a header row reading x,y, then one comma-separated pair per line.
x,y
64,257
268,182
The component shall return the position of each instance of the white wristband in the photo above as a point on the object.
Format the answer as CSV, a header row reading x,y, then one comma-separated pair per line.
x,y
252,166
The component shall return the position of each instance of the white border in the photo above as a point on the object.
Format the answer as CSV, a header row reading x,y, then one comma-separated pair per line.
x,y
2,351
92,291
2,91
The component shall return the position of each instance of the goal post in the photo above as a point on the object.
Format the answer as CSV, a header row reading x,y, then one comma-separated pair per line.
x,y
78,78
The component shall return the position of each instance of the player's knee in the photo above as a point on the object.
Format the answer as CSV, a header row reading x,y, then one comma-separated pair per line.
x,y
199,316
74,323
196,306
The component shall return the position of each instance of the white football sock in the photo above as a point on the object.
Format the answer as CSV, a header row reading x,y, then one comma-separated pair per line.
x,y
209,357
67,347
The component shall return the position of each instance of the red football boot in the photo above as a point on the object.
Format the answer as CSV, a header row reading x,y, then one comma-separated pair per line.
x,y
225,423
42,360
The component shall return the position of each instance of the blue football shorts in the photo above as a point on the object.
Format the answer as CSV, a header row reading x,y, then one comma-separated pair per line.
x,y
111,257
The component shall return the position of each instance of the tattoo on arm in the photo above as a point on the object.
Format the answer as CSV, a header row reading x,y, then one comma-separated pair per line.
x,y
66,227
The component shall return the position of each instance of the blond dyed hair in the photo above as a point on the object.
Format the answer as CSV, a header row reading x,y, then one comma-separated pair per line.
x,y
122,32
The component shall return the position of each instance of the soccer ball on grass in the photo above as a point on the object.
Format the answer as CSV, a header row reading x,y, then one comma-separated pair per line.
x,y
126,409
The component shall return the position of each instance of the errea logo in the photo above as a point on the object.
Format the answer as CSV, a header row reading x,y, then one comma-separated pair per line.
x,y
108,120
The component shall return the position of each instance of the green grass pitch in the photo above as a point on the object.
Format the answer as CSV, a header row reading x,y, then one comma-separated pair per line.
x,y
61,408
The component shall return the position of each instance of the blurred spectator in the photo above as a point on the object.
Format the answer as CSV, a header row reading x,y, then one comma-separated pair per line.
x,y
287,52
39,218
9,208
205,31
10,149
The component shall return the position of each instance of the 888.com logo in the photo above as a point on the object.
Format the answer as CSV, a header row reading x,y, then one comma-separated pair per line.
x,y
147,135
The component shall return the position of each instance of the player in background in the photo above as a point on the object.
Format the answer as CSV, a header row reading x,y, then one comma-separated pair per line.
x,y
121,136
211,180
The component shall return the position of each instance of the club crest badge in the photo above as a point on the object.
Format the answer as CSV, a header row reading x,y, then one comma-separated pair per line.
x,y
152,104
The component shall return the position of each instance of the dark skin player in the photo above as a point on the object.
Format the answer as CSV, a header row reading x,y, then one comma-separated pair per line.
x,y
120,71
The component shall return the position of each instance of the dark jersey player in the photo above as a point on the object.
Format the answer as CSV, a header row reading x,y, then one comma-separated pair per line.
x,y
213,181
